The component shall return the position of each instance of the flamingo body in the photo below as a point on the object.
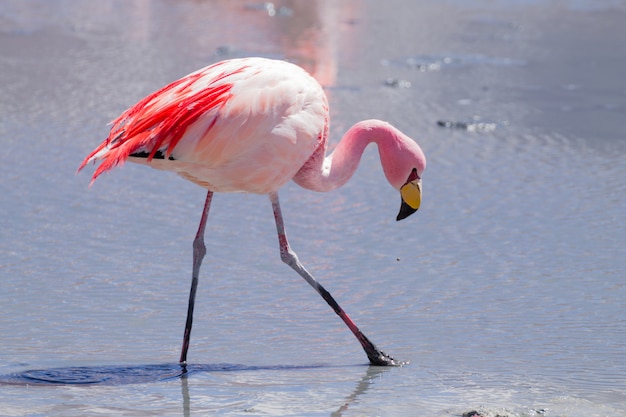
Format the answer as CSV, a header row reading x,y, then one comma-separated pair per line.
x,y
240,125
251,125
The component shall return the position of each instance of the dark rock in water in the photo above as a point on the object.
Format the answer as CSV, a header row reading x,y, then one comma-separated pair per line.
x,y
468,126
475,413
397,83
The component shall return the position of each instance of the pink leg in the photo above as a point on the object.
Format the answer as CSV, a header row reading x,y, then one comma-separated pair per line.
x,y
199,250
288,256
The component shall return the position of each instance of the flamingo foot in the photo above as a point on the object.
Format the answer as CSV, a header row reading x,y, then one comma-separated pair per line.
x,y
376,356
380,358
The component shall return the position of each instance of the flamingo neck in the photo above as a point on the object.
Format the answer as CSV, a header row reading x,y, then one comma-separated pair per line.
x,y
326,173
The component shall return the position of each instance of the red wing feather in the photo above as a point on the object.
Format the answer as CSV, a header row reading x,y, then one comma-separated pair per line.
x,y
159,121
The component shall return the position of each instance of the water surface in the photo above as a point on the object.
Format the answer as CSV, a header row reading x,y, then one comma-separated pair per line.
x,y
505,291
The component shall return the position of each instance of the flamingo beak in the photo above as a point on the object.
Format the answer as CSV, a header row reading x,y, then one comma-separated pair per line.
x,y
411,194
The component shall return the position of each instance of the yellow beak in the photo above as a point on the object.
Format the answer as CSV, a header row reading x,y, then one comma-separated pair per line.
x,y
411,194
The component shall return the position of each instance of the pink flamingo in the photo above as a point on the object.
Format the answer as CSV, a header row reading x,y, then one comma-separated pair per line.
x,y
251,125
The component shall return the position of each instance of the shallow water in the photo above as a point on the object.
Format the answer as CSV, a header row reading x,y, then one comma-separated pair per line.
x,y
505,291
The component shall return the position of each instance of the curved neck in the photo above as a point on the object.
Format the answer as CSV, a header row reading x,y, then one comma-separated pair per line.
x,y
326,173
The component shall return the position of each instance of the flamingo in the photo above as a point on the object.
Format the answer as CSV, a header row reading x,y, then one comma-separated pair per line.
x,y
251,125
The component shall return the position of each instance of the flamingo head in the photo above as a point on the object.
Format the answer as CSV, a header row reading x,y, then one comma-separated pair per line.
x,y
403,162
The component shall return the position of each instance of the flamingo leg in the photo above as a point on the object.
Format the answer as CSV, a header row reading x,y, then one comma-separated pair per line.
x,y
199,250
288,256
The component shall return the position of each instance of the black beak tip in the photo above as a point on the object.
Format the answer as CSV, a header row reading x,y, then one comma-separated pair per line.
x,y
405,211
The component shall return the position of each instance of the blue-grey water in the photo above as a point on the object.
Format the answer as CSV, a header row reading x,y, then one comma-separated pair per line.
x,y
506,291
